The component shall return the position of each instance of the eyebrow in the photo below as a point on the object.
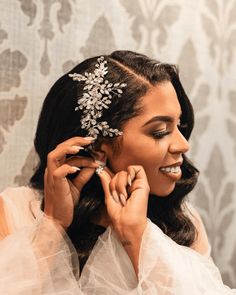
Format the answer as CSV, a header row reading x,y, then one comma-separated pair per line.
x,y
167,119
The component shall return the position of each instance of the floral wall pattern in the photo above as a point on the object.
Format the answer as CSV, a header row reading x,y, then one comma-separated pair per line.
x,y
40,40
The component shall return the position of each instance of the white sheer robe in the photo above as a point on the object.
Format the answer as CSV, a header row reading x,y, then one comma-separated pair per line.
x,y
37,257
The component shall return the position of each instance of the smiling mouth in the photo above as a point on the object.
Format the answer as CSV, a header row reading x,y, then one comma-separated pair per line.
x,y
175,169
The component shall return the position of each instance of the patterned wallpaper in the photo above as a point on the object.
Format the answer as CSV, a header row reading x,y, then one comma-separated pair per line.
x,y
40,40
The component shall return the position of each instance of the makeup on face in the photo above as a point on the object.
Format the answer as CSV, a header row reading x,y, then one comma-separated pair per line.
x,y
153,140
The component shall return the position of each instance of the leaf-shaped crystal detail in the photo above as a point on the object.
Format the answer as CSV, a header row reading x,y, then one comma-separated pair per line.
x,y
96,97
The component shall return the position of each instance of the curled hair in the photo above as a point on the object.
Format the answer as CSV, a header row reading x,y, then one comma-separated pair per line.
x,y
58,121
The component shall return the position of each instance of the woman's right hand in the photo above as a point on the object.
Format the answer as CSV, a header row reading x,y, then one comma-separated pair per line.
x,y
60,193
126,199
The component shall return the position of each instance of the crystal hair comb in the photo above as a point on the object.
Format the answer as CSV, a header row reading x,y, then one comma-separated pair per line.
x,y
97,96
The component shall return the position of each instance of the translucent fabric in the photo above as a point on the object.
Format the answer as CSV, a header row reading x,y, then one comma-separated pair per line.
x,y
37,257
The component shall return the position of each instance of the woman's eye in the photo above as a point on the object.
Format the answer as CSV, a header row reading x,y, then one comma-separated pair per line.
x,y
160,134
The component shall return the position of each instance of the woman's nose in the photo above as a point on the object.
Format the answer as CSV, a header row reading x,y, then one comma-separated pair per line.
x,y
179,143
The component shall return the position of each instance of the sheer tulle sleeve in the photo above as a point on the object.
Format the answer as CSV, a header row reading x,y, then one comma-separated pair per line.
x,y
36,256
165,268
171,269
38,260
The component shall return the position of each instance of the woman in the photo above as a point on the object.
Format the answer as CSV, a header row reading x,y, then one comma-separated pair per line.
x,y
127,118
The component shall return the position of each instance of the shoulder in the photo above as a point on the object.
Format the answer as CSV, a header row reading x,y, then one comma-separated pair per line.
x,y
201,243
18,205
21,194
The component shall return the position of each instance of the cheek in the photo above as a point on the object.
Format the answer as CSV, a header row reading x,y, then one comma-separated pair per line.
x,y
156,156
148,153
128,155
155,159
151,160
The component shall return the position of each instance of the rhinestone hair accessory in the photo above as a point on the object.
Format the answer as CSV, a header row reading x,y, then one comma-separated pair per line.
x,y
96,97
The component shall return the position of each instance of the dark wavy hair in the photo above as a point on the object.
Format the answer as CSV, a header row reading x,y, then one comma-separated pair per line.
x,y
59,121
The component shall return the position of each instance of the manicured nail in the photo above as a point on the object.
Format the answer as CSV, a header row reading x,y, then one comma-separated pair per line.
x,y
77,148
75,169
129,180
122,199
90,138
115,197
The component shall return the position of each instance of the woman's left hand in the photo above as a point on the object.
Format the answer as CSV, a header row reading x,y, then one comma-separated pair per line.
x,y
126,198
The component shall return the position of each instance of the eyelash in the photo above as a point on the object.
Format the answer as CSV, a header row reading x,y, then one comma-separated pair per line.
x,y
161,134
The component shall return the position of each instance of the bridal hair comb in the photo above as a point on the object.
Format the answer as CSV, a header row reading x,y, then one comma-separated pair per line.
x,y
96,97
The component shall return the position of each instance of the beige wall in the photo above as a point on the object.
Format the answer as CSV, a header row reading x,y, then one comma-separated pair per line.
x,y
39,40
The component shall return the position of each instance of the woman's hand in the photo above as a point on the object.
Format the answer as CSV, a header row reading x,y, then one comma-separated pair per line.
x,y
60,193
126,198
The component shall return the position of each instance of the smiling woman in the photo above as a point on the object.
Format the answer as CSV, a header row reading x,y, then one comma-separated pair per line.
x,y
106,208
153,140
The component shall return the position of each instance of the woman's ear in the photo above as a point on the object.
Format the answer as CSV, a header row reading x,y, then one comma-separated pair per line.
x,y
101,153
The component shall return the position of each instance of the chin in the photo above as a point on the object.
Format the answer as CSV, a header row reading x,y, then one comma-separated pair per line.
x,y
164,192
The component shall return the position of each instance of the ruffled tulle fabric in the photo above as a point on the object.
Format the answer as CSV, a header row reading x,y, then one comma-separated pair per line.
x,y
165,268
38,258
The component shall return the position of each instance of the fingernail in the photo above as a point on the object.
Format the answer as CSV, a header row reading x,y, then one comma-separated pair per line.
x,y
90,138
77,148
115,197
75,168
129,180
122,199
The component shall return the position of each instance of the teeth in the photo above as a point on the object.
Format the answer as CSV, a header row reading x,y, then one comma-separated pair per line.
x,y
175,169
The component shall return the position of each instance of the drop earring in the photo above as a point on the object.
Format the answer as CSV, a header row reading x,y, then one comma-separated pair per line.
x,y
101,166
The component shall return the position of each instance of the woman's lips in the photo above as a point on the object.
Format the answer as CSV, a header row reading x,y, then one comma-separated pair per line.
x,y
172,171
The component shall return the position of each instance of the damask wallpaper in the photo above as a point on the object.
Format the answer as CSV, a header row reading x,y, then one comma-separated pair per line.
x,y
40,40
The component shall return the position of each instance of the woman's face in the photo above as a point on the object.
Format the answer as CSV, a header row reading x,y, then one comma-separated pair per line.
x,y
153,140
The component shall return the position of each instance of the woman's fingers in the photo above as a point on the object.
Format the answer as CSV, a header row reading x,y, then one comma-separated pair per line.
x,y
105,176
57,184
129,184
83,177
59,174
58,156
114,186
139,189
118,187
61,194
79,161
131,175
87,168
63,171
119,198
136,173
72,146
77,140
